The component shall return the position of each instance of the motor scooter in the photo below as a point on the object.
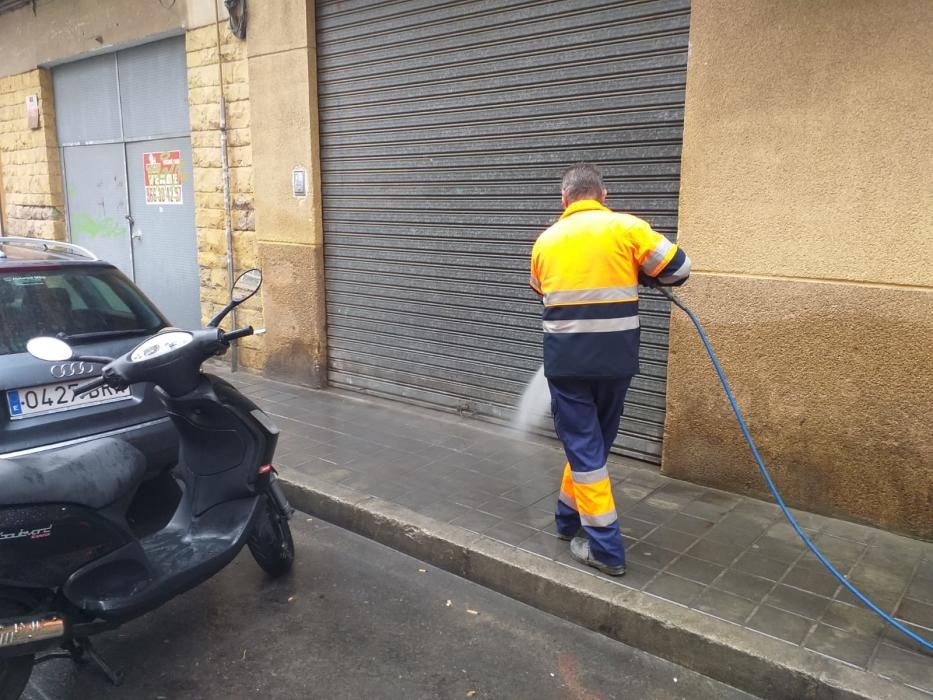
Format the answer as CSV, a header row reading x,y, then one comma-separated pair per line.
x,y
76,556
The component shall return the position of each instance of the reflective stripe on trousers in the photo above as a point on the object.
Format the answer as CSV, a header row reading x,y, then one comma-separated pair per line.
x,y
590,495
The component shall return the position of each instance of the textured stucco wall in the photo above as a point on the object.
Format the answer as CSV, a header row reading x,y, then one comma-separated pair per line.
x,y
834,382
805,204
282,52
808,139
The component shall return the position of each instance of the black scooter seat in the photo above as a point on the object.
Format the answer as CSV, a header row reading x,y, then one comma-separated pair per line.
x,y
92,474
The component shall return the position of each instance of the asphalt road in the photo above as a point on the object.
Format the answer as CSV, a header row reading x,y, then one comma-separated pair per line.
x,y
358,620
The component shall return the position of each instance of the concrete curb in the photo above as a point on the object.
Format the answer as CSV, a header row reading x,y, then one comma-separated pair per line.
x,y
748,661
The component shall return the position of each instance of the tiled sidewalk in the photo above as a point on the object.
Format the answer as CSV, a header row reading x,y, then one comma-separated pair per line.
x,y
731,557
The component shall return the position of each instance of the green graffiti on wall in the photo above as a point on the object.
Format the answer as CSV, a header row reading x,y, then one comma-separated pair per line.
x,y
94,228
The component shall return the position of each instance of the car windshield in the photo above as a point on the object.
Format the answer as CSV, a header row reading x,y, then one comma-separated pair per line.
x,y
75,303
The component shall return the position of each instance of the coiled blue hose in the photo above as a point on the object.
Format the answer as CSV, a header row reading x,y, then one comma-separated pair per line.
x,y
777,496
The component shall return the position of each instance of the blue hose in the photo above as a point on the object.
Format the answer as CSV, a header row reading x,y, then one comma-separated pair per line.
x,y
777,496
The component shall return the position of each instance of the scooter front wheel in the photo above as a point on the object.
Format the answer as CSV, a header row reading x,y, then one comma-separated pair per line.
x,y
15,672
271,542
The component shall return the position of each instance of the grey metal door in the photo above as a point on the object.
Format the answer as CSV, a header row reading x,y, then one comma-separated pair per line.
x,y
87,103
123,126
97,204
165,254
444,131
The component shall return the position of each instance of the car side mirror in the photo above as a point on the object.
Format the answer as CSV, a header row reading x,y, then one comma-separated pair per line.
x,y
49,349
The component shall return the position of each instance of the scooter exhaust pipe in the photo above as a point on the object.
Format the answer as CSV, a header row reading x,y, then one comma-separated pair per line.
x,y
29,632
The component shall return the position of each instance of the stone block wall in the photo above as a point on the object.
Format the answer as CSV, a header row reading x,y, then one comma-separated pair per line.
x,y
204,106
32,198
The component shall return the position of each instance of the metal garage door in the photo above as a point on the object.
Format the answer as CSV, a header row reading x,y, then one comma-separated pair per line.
x,y
444,130
125,137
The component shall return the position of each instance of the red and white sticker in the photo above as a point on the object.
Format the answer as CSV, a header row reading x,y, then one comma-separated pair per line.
x,y
162,173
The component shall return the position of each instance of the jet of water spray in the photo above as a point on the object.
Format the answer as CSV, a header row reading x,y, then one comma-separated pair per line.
x,y
534,409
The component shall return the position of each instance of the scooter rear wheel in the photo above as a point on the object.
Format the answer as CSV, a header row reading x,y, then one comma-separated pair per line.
x,y
271,542
15,672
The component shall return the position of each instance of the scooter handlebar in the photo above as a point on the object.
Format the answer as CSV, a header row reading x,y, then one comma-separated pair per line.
x,y
90,386
240,333
172,366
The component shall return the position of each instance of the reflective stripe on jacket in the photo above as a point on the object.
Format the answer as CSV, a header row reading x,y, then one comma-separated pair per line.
x,y
586,267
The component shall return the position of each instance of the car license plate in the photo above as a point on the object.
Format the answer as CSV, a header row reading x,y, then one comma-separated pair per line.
x,y
52,398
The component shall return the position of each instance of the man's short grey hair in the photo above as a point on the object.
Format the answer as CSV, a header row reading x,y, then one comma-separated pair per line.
x,y
582,181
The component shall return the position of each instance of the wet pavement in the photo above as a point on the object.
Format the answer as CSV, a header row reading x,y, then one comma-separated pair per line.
x,y
727,556
358,620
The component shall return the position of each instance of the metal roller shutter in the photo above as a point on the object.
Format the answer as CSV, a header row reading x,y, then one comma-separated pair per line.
x,y
444,130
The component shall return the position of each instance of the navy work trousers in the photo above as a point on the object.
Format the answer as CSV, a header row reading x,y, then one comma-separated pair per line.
x,y
587,413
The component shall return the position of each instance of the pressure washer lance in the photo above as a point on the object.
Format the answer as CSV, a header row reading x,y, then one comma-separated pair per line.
x,y
777,496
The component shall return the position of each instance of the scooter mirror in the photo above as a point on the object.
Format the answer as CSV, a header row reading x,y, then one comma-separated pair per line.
x,y
246,285
49,349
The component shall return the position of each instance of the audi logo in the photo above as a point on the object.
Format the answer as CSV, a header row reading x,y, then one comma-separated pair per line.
x,y
71,369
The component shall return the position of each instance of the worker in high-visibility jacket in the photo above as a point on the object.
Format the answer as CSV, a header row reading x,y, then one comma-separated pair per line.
x,y
587,267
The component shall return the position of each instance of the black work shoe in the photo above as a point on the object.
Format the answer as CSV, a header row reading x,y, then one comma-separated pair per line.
x,y
580,550
566,538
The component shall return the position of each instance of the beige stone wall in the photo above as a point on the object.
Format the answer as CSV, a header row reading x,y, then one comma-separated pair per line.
x,y
30,169
204,105
806,207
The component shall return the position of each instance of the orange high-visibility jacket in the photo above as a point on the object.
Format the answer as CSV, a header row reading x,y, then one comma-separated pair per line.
x,y
586,267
